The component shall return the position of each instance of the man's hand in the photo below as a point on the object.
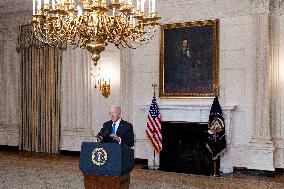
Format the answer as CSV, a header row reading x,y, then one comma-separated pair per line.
x,y
115,137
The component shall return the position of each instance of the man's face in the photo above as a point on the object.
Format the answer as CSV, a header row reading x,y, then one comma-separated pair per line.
x,y
114,114
184,44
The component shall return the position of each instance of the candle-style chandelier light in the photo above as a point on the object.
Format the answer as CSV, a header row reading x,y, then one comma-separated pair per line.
x,y
92,24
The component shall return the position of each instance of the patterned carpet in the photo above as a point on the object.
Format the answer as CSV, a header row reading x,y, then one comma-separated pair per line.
x,y
19,172
24,172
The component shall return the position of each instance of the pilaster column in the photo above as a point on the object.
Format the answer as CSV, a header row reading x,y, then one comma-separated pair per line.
x,y
126,95
277,105
261,146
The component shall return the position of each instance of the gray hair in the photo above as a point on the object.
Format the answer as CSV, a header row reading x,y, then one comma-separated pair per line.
x,y
116,107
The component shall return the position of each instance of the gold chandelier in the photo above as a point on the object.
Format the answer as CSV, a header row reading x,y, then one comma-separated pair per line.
x,y
92,24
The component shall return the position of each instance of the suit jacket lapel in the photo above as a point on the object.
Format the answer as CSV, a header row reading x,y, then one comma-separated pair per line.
x,y
109,127
119,127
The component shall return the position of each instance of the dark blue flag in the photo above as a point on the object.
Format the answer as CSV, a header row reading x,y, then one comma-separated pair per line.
x,y
216,140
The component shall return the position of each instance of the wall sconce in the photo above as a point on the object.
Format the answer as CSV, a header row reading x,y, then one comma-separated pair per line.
x,y
100,82
104,87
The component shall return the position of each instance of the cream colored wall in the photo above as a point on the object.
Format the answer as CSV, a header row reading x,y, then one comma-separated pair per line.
x,y
84,109
251,64
236,80
10,85
246,78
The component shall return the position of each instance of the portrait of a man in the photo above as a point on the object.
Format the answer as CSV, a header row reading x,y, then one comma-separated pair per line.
x,y
189,59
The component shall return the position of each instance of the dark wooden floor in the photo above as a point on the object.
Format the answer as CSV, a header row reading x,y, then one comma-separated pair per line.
x,y
36,155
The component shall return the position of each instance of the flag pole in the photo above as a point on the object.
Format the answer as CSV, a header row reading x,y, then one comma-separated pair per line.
x,y
154,160
154,85
214,168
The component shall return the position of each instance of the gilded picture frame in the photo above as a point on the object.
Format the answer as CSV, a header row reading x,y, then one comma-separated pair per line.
x,y
189,55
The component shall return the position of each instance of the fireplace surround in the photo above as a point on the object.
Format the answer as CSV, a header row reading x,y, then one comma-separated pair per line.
x,y
184,148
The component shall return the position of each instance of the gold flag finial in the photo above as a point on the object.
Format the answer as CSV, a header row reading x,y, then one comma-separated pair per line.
x,y
154,85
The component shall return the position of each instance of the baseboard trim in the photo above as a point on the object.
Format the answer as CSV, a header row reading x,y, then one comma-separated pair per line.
x,y
279,170
254,172
69,153
139,160
141,163
9,148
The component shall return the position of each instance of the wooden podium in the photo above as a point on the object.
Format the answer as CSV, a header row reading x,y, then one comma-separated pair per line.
x,y
93,181
106,165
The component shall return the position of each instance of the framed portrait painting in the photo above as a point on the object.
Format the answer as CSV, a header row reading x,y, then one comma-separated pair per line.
x,y
189,59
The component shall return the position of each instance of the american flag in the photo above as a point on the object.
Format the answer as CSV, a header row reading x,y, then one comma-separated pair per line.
x,y
153,130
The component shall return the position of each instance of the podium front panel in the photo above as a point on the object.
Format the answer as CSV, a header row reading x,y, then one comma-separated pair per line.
x,y
106,158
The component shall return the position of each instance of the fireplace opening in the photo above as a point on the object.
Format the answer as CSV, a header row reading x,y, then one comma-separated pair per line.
x,y
184,148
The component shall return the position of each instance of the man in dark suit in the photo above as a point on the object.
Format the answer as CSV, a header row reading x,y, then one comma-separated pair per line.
x,y
116,130
185,67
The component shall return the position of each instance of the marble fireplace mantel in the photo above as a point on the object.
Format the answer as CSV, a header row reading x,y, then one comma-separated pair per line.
x,y
189,112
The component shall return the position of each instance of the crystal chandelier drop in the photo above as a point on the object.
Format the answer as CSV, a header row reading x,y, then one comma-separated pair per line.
x,y
92,24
